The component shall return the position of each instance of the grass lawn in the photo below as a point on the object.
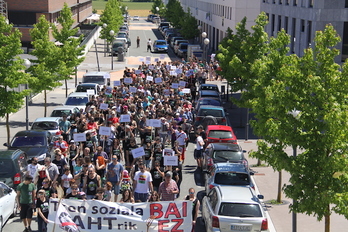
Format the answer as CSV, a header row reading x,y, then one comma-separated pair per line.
x,y
134,8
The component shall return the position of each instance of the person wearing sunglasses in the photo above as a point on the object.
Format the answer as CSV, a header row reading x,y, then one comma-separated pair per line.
x,y
75,193
195,205
42,207
49,191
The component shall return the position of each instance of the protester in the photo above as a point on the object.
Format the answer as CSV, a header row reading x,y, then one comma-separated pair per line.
x,y
75,194
26,201
195,205
91,183
154,197
127,196
168,188
32,167
198,153
142,184
114,174
42,206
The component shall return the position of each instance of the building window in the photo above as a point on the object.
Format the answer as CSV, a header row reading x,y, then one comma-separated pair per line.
x,y
286,24
293,35
309,34
272,24
280,2
21,18
346,4
303,27
273,1
295,2
311,3
287,2
279,22
345,41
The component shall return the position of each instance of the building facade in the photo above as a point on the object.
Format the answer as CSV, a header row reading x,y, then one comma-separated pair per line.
x,y
23,14
302,18
215,17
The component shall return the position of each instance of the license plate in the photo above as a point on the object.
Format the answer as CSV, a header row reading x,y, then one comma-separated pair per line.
x,y
240,228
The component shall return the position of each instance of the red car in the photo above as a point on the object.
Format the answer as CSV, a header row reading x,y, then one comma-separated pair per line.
x,y
220,134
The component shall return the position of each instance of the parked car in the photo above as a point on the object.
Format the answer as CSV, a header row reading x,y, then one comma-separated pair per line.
x,y
229,174
209,87
207,101
77,100
124,28
173,39
156,19
119,45
208,93
210,115
177,43
220,134
182,50
232,209
84,87
50,124
64,110
101,78
135,18
149,17
169,35
163,24
13,167
33,143
222,153
160,46
8,204
122,34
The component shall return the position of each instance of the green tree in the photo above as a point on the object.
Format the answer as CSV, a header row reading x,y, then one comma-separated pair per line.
x,y
188,25
315,86
70,52
46,65
112,17
174,13
160,5
11,71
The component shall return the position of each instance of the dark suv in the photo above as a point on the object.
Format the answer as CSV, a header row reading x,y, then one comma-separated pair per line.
x,y
13,167
33,143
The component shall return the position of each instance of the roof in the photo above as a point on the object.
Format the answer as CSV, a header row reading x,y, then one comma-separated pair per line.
x,y
65,108
219,127
48,119
211,85
8,154
78,94
230,167
209,92
30,133
225,146
88,84
239,194
106,74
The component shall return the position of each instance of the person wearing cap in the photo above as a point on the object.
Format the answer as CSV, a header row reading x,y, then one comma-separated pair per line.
x,y
168,188
42,206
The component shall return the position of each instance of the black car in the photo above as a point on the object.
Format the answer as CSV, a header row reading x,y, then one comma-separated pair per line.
x,y
33,143
222,153
13,167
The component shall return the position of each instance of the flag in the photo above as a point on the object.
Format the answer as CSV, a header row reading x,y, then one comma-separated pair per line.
x,y
64,220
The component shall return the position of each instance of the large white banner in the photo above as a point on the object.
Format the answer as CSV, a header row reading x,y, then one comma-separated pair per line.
x,y
94,215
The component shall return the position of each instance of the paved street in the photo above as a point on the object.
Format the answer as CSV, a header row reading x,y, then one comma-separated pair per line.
x,y
266,179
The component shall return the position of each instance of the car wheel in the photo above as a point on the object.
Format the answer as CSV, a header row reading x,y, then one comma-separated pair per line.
x,y
200,225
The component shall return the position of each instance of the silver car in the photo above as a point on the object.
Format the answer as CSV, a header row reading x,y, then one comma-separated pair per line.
x,y
232,209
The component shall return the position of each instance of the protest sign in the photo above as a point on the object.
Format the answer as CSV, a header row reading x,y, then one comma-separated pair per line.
x,y
175,85
80,137
95,215
141,59
158,80
103,106
137,71
151,67
132,89
153,122
125,118
170,160
138,152
156,60
186,90
162,56
128,80
105,130
149,78
117,83
182,83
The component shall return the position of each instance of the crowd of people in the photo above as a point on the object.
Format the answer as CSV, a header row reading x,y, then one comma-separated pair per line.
x,y
103,166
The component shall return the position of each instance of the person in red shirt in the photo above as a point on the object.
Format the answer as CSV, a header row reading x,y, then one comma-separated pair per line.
x,y
113,119
61,145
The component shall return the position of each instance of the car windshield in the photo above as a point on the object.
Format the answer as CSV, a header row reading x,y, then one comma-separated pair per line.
x,y
60,113
227,156
211,102
240,210
76,101
28,141
161,43
184,46
93,79
45,126
220,134
121,35
205,87
231,178
210,112
6,168
83,88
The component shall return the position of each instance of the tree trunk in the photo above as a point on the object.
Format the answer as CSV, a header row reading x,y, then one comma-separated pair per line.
x,y
45,103
258,162
66,87
279,196
327,219
8,128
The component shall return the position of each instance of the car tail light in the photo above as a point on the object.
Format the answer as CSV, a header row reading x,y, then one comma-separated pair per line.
x,y
211,186
17,178
216,224
210,162
223,120
198,118
264,225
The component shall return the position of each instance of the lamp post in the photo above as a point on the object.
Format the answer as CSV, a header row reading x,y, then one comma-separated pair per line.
x,y
199,27
206,41
27,64
112,33
295,113
105,26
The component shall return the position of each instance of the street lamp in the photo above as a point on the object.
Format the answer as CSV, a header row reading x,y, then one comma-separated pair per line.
x,y
295,113
206,41
112,33
105,26
27,64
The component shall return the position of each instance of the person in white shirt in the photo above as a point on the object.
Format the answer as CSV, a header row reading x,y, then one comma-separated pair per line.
x,y
32,167
142,184
198,153
149,44
181,137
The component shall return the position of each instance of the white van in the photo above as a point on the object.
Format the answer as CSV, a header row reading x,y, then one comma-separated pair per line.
x,y
100,78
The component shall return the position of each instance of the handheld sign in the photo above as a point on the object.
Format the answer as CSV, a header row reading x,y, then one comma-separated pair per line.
x,y
141,59
149,78
138,152
186,90
158,80
125,118
137,71
170,160
128,80
90,91
153,122
105,130
178,70
103,106
162,56
132,89
182,83
80,137
172,73
117,83
175,85
156,60
151,67
172,67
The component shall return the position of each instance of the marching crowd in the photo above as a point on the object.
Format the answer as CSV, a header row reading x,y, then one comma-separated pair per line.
x,y
104,164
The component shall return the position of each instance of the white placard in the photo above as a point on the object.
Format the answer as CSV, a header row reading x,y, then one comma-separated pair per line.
x,y
141,59
186,90
125,118
80,137
168,152
103,106
148,58
162,56
108,90
156,60
168,67
147,62
105,130
138,152
172,73
172,67
90,92
117,83
151,67
132,89
128,80
153,122
175,85
149,78
170,160
137,71
178,70
158,80
182,83
166,92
